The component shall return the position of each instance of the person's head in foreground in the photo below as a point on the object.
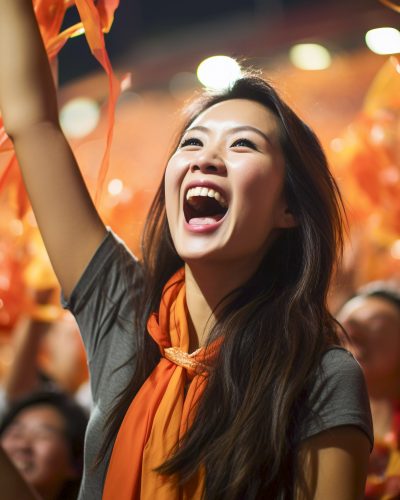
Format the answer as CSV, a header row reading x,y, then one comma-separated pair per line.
x,y
248,204
43,435
372,320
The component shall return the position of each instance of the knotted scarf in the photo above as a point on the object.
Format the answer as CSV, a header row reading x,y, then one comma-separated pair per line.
x,y
161,412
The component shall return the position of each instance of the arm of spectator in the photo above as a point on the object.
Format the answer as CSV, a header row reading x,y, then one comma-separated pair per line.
x,y
23,376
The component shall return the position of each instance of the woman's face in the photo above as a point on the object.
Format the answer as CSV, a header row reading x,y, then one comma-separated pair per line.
x,y
373,325
224,185
36,443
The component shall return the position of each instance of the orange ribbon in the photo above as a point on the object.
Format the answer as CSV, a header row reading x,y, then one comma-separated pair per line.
x,y
391,5
95,20
161,413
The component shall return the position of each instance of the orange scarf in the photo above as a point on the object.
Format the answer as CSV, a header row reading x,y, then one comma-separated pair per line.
x,y
160,413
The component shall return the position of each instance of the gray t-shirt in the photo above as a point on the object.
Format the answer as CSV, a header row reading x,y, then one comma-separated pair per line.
x,y
102,304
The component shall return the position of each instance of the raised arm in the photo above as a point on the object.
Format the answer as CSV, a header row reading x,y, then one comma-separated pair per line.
x,y
69,223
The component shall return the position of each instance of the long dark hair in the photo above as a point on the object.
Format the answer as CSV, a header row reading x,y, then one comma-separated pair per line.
x,y
276,326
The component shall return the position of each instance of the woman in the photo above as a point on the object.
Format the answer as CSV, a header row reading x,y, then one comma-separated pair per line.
x,y
43,436
237,255
372,320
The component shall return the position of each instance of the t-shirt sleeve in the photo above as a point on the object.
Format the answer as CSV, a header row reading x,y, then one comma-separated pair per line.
x,y
103,305
339,396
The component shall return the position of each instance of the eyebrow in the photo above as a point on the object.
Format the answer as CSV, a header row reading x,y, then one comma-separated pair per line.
x,y
234,129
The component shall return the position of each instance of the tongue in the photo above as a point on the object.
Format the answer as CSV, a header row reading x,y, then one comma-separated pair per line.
x,y
204,221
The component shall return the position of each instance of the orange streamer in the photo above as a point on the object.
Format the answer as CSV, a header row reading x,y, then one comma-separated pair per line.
x,y
92,22
391,5
95,20
106,10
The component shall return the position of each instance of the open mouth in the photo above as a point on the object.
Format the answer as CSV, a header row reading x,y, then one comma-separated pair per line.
x,y
22,464
203,205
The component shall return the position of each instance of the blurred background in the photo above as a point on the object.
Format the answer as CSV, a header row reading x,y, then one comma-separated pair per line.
x,y
330,60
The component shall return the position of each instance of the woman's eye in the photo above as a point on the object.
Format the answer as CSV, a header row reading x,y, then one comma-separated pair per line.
x,y
191,141
244,143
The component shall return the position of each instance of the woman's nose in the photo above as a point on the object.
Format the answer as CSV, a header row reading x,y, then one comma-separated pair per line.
x,y
208,162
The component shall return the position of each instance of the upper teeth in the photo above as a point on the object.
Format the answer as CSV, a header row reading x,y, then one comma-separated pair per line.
x,y
203,191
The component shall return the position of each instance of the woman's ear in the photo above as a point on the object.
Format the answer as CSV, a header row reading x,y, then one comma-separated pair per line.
x,y
285,218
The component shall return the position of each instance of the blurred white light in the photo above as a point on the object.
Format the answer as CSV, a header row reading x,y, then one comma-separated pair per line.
x,y
383,40
310,56
377,134
218,72
79,117
115,187
337,144
395,250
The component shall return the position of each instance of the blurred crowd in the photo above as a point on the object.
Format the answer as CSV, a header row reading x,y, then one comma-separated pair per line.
x,y
45,401
371,331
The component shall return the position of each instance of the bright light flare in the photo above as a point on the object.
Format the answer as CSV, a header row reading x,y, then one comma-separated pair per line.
x,y
218,72
310,56
383,40
79,117
115,187
395,250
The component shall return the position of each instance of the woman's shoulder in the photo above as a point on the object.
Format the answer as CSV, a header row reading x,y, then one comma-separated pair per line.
x,y
113,270
105,298
339,378
337,359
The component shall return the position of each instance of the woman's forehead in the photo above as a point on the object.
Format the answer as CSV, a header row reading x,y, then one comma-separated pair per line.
x,y
235,113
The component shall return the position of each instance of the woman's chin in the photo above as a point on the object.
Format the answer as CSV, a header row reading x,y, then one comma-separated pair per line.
x,y
201,254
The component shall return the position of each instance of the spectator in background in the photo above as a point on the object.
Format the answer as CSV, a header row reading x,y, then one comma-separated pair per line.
x,y
12,483
43,436
48,355
372,321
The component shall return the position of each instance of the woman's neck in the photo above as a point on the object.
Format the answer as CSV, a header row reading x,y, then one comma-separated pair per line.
x,y
205,289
